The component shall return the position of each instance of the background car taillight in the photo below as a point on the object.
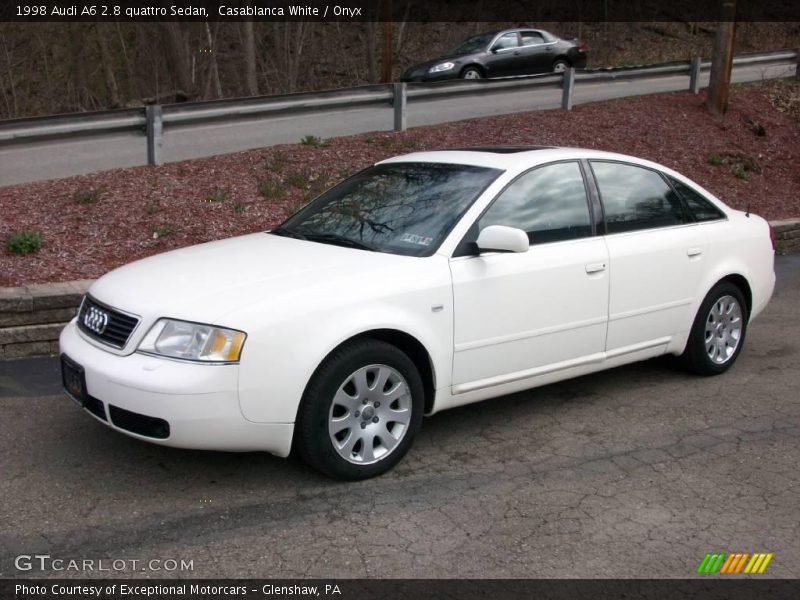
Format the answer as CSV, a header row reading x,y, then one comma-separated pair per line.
x,y
581,45
772,236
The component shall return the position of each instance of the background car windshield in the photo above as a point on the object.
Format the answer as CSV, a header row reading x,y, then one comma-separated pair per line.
x,y
473,44
401,208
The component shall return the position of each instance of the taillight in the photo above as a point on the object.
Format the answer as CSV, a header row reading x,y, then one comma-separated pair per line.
x,y
581,45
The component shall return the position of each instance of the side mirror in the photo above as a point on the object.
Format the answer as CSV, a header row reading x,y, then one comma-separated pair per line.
x,y
499,238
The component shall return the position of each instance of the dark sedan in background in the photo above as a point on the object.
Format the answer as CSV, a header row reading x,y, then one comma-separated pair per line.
x,y
504,53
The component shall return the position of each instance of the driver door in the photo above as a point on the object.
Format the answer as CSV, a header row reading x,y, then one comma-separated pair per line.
x,y
504,56
518,315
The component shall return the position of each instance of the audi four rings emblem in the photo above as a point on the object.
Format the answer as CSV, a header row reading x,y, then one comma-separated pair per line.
x,y
96,320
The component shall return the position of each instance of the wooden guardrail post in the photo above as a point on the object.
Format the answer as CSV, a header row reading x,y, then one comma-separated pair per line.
x,y
694,75
567,85
155,133
399,103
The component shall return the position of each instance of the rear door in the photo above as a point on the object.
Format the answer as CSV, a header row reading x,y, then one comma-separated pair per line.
x,y
655,256
536,53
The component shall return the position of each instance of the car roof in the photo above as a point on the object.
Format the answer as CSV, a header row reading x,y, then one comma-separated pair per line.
x,y
515,158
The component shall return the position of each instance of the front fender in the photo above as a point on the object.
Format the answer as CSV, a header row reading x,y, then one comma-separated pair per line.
x,y
281,356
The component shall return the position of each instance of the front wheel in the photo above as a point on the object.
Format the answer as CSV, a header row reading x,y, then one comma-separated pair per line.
x,y
471,73
718,332
361,411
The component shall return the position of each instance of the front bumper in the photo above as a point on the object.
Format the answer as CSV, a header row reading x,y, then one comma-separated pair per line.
x,y
422,75
200,403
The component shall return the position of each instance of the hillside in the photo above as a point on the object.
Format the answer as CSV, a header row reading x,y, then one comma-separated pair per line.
x,y
93,223
49,68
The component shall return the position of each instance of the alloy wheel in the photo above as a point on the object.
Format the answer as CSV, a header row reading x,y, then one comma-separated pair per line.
x,y
723,330
370,414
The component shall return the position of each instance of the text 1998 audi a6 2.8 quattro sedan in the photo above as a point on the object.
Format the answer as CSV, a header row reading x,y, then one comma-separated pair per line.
x,y
424,282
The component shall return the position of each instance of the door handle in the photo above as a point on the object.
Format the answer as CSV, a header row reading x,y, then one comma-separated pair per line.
x,y
595,267
692,252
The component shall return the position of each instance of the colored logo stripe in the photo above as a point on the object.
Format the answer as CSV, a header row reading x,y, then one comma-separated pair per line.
x,y
758,563
734,562
711,563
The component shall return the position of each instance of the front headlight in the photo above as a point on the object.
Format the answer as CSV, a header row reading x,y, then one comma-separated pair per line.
x,y
442,67
193,341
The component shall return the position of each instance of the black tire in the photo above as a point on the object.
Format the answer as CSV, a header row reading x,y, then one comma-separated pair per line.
x,y
471,73
560,65
312,438
695,357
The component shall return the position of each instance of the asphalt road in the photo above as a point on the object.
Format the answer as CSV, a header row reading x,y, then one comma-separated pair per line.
x,y
635,472
21,163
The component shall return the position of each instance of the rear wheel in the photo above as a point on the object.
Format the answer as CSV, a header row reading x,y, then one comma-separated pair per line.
x,y
718,332
471,73
361,411
560,66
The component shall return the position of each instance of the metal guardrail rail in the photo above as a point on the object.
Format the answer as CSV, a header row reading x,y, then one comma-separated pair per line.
x,y
153,121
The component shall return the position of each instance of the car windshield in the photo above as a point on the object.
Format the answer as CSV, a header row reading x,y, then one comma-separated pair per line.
x,y
473,44
400,208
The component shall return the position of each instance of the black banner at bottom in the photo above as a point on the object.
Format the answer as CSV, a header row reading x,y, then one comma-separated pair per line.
x,y
390,589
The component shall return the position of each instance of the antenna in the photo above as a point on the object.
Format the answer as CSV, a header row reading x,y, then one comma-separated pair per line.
x,y
747,212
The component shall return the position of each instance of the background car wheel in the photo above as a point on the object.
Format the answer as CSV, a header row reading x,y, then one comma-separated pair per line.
x,y
560,66
718,332
361,411
471,73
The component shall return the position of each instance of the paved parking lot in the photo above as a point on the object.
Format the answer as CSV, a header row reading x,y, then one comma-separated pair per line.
x,y
636,472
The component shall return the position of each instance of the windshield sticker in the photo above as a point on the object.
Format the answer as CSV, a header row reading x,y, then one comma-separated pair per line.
x,y
413,238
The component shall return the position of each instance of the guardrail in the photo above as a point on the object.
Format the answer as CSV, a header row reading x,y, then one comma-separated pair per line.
x,y
153,121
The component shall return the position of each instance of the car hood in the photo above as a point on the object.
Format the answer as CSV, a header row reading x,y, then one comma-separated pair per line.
x,y
205,282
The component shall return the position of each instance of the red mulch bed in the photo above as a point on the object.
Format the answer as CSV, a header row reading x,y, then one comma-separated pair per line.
x,y
207,199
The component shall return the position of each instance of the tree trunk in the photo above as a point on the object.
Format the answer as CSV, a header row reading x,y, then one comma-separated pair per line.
x,y
51,94
13,108
179,60
101,30
213,73
82,95
386,62
132,87
722,60
249,49
372,63
401,30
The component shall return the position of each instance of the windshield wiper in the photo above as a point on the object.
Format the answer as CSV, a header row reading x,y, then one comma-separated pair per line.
x,y
284,232
337,240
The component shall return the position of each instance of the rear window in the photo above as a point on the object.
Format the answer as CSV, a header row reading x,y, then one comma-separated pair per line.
x,y
701,208
635,198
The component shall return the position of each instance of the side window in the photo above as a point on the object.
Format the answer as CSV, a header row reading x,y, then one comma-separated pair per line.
x,y
699,206
509,40
548,203
635,198
529,38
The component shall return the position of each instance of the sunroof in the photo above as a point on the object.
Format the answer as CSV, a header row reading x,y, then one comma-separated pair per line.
x,y
501,149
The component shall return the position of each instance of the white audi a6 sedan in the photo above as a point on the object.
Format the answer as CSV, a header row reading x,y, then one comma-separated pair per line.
x,y
424,282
